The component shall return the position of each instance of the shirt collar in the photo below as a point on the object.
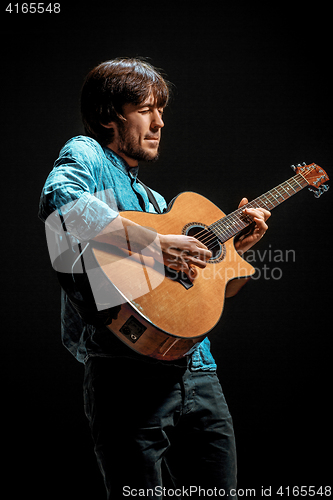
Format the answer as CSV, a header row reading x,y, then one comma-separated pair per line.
x,y
120,163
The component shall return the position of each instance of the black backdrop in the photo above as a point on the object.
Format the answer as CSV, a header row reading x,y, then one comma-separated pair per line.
x,y
251,97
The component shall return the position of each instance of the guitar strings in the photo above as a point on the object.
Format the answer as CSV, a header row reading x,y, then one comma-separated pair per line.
x,y
237,218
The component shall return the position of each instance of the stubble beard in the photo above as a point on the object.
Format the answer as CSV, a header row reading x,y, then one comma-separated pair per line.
x,y
128,145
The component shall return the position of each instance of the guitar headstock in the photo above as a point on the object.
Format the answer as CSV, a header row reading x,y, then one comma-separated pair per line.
x,y
314,175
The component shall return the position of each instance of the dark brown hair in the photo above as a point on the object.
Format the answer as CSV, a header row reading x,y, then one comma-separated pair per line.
x,y
114,83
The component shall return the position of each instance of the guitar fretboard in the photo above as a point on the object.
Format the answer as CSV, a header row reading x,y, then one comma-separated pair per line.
x,y
232,224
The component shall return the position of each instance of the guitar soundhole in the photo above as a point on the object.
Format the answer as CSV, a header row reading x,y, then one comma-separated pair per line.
x,y
208,238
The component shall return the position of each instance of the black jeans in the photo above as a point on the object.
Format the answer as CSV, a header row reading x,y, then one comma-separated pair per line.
x,y
159,428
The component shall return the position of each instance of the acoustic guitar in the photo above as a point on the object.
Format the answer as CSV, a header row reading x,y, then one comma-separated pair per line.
x,y
162,313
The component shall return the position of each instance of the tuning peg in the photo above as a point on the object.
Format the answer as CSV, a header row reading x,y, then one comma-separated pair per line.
x,y
316,192
319,191
298,166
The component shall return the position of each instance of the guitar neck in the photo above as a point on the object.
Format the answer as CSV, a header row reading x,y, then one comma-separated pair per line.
x,y
232,224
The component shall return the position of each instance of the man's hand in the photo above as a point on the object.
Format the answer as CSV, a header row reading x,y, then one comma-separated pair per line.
x,y
182,252
179,252
259,216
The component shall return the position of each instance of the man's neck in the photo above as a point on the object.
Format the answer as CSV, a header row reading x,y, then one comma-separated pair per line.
x,y
130,161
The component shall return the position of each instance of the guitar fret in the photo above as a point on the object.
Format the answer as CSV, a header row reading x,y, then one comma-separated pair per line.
x,y
277,196
290,186
285,190
235,222
269,207
298,183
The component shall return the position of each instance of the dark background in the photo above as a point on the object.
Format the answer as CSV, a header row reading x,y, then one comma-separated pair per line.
x,y
252,96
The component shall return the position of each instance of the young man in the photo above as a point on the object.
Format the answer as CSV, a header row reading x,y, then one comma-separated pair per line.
x,y
153,423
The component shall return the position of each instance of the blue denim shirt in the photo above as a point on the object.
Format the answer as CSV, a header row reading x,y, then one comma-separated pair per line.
x,y
90,184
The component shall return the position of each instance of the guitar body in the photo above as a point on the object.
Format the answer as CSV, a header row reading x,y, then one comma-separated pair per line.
x,y
154,310
163,317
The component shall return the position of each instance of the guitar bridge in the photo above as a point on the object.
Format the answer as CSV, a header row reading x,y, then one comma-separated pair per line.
x,y
182,278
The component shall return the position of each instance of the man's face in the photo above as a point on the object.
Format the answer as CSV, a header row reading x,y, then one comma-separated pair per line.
x,y
138,138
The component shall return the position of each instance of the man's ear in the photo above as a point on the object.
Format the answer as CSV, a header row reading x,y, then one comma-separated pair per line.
x,y
109,125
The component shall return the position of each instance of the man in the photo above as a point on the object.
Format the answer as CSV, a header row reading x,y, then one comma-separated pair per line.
x,y
153,423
